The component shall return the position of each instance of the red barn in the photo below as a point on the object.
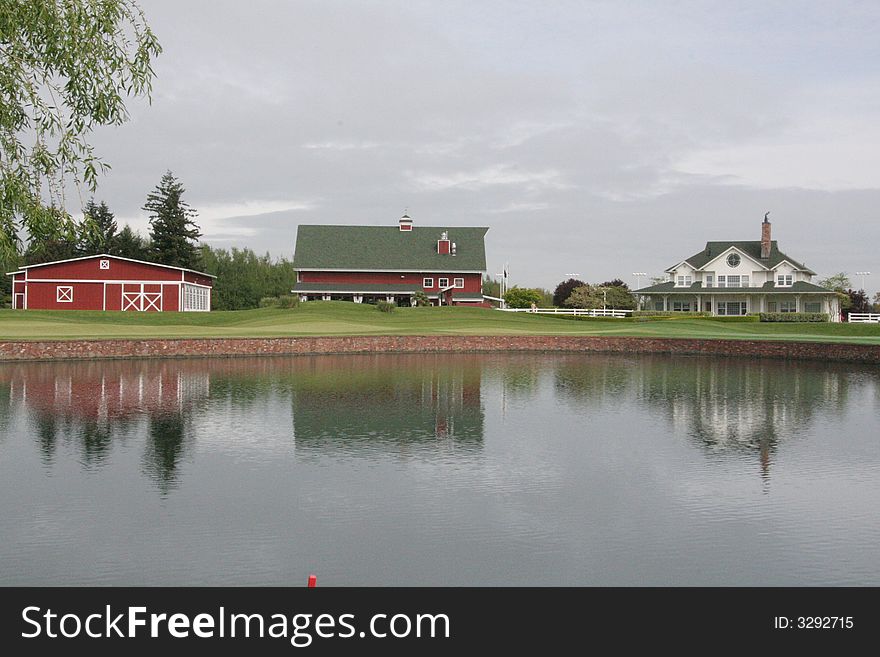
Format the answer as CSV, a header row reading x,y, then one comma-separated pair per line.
x,y
393,263
106,282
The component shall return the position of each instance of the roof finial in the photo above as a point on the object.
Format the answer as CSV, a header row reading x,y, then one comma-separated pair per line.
x,y
766,220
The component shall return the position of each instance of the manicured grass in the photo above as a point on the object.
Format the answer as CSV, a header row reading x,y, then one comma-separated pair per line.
x,y
340,318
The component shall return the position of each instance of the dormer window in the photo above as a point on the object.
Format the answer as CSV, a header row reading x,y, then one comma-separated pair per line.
x,y
784,280
684,281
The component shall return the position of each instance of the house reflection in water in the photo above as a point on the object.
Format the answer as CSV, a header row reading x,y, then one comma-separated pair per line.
x,y
402,404
94,403
724,405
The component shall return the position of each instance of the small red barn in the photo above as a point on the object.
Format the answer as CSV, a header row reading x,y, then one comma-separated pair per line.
x,y
107,282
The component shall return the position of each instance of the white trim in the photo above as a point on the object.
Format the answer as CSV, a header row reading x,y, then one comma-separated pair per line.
x,y
787,262
107,255
13,273
112,281
743,256
65,291
395,271
425,282
354,291
455,283
104,298
683,262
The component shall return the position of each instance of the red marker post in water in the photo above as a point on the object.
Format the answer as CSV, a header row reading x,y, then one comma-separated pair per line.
x,y
313,581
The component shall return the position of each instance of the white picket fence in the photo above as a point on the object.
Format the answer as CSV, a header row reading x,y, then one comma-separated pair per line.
x,y
864,318
581,312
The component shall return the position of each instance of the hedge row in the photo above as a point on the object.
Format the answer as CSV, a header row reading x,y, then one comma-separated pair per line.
x,y
794,317
670,313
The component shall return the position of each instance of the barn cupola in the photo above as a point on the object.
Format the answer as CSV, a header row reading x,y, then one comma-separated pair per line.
x,y
765,238
444,246
405,223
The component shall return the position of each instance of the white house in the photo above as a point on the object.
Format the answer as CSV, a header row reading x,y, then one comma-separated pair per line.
x,y
738,278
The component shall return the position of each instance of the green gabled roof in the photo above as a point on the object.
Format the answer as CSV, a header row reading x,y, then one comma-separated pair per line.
x,y
387,248
352,288
751,248
669,287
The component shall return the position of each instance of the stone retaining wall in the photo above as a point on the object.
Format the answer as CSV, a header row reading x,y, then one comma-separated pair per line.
x,y
194,347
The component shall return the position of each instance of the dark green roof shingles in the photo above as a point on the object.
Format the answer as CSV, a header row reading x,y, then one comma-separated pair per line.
x,y
751,248
387,248
669,287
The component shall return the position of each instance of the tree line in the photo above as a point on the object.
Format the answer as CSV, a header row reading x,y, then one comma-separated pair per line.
x,y
243,277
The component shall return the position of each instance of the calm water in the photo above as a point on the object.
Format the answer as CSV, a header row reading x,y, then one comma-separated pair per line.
x,y
470,469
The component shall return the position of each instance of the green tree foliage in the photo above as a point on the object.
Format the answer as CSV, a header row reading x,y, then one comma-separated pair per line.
x,y
130,244
564,290
66,67
585,296
173,233
857,302
491,287
520,297
243,277
617,295
421,299
838,282
99,234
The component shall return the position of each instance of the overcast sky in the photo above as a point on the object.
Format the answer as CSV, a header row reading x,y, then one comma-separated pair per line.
x,y
598,138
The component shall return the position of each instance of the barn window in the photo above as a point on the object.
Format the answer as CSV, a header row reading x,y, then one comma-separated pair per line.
x,y
64,294
105,264
427,282
443,282
459,282
196,298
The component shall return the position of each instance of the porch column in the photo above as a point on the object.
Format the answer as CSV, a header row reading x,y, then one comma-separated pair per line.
x,y
763,303
699,303
714,307
665,303
797,303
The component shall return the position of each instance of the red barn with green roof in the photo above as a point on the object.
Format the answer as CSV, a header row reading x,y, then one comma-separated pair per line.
x,y
391,263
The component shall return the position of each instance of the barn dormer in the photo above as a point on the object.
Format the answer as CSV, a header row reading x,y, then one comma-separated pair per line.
x,y
444,245
405,223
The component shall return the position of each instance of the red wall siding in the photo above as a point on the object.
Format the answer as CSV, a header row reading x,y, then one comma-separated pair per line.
x,y
90,269
197,278
472,282
170,297
86,296
114,296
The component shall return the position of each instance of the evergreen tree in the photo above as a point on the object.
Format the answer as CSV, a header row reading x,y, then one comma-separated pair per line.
x,y
99,229
129,244
173,232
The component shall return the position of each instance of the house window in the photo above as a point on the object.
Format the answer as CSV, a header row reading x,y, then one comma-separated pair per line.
x,y
459,282
684,281
813,307
427,282
658,305
731,308
788,306
733,260
681,306
64,294
785,280
744,281
104,264
443,282
772,306
733,281
722,281
709,280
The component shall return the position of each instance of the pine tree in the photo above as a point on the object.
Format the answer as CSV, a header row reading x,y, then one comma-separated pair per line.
x,y
130,244
99,230
173,232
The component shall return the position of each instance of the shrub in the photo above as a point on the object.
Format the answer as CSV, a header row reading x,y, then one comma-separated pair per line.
x,y
281,301
421,299
794,317
385,306
670,314
737,318
520,297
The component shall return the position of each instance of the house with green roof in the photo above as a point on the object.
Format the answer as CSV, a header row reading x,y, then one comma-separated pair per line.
x,y
365,264
739,278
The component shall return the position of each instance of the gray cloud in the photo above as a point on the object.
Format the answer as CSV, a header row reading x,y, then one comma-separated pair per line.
x,y
592,137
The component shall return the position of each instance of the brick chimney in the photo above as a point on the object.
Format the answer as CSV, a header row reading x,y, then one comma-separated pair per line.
x,y
765,238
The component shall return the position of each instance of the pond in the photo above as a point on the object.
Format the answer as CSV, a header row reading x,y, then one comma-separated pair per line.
x,y
441,469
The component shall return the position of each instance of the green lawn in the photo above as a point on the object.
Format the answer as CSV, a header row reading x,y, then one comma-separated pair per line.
x,y
340,318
